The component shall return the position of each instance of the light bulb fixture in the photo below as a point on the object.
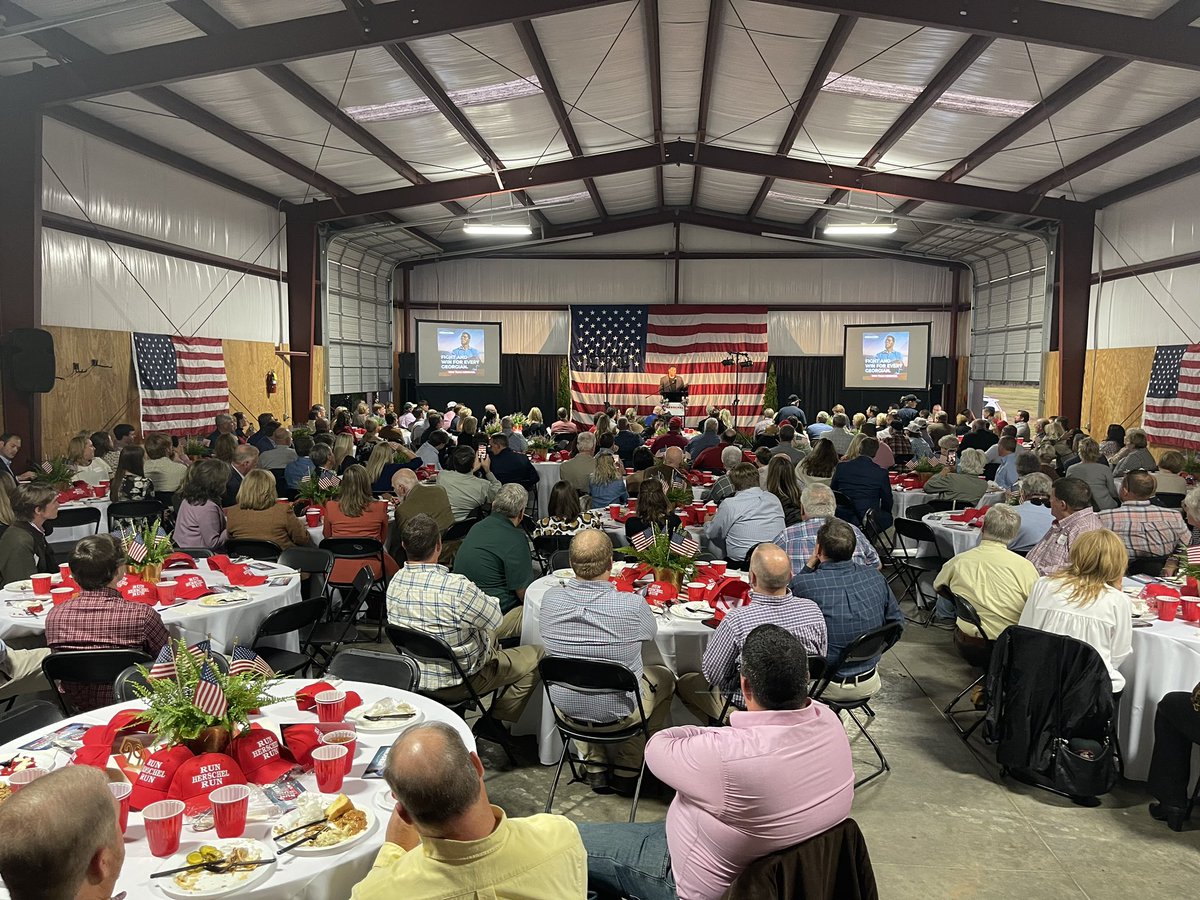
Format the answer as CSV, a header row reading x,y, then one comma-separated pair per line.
x,y
497,229
833,229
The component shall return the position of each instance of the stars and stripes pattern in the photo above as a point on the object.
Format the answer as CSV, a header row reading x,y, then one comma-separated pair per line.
x,y
328,480
1172,409
209,698
181,382
47,467
201,649
636,344
245,660
684,544
164,666
643,539
1193,556
136,550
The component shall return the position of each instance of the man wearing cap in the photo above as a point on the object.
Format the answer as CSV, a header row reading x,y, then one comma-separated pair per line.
x,y
672,438
791,410
915,431
908,408
896,439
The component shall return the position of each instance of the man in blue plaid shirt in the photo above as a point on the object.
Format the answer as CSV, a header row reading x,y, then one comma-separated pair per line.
x,y
854,600
799,540
588,618
771,603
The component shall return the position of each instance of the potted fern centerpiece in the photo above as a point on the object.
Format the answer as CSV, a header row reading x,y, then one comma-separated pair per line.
x,y
56,473
667,561
317,491
540,447
196,450
146,548
679,495
924,469
492,428
518,420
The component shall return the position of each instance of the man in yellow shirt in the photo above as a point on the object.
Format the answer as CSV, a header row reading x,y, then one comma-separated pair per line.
x,y
445,839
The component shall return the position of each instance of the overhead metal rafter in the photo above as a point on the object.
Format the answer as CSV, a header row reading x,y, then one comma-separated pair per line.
x,y
712,35
963,59
654,62
1153,182
812,89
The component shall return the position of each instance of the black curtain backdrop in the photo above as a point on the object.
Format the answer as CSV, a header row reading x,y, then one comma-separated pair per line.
x,y
526,379
818,381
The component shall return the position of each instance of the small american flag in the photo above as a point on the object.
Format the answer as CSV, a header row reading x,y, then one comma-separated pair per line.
x,y
181,382
1172,409
201,649
164,666
643,539
209,698
246,660
136,550
328,480
305,477
1193,556
684,544
47,467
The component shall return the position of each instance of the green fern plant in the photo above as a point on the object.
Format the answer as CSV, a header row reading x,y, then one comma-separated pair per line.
x,y
60,472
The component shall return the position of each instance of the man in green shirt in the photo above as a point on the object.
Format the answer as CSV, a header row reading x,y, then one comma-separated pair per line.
x,y
495,553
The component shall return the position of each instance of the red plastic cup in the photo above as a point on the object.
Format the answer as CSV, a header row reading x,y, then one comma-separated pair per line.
x,y
64,569
331,706
718,567
1167,608
1191,609
164,825
166,592
121,791
312,517
1191,588
633,504
685,516
41,585
343,737
614,509
329,763
18,780
60,595
229,805
695,590
101,491
712,509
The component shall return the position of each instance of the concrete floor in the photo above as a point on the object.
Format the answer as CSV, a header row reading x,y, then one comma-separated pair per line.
x,y
941,824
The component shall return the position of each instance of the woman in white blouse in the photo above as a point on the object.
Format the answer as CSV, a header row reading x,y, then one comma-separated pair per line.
x,y
1085,601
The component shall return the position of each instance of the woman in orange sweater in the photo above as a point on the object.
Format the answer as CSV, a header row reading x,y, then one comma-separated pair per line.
x,y
356,513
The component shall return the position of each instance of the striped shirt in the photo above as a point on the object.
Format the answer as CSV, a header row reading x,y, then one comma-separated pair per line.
x,y
800,540
1146,530
1053,552
722,656
428,598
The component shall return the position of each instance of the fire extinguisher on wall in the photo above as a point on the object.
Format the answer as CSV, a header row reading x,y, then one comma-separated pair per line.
x,y
272,383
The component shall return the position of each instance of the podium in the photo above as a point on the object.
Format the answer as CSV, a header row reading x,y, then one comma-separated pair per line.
x,y
674,396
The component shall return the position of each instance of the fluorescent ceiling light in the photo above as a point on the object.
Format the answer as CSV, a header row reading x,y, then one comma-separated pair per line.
x,y
907,93
860,228
407,109
497,229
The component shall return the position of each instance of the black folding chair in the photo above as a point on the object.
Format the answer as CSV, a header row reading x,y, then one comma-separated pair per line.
x,y
1167,501
846,505
263,551
560,559
327,637
545,547
909,567
879,539
460,530
127,510
430,649
398,671
362,549
967,612
73,518
298,618
126,683
88,667
592,676
921,510
26,718
862,649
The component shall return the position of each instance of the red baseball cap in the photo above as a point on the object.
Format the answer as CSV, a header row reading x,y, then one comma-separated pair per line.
x,y
189,587
675,422
200,776
158,772
661,592
302,740
140,591
260,755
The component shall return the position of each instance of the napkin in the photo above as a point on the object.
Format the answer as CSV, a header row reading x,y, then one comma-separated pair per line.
x,y
629,575
970,516
306,697
238,574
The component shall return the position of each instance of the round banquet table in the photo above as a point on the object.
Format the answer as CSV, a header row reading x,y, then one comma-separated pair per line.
x,y
319,876
188,620
953,537
79,532
616,530
547,473
903,500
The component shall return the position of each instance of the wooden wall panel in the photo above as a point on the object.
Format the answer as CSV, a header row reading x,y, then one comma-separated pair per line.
x,y
246,366
320,387
1050,383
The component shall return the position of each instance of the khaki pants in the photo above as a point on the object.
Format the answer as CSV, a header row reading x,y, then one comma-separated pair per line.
x,y
658,687
23,673
515,669
510,625
705,702
861,690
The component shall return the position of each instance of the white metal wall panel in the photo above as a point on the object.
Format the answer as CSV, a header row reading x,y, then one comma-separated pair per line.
x,y
539,281
544,331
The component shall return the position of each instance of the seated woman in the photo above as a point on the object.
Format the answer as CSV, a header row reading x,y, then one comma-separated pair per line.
x,y
653,509
566,518
606,484
818,466
165,471
1085,601
1176,732
382,465
357,514
129,482
1167,479
1094,472
259,515
224,447
1114,440
343,453
534,426
200,521
23,547
966,486
643,461
86,466
781,481
1134,455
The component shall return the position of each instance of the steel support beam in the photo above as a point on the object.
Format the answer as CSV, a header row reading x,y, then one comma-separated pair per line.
x,y
303,287
654,64
712,35
1075,238
21,250
1153,182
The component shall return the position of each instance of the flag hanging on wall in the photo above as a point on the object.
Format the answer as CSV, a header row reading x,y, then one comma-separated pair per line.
x,y
1172,410
181,382
637,343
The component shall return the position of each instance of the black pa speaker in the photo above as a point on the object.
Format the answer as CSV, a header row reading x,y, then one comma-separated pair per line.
x,y
28,356
939,370
406,367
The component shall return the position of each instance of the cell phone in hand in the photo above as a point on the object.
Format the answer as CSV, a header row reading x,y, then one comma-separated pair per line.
x,y
482,454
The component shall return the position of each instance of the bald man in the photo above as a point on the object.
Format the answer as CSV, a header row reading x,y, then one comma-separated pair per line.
x,y
675,459
771,603
412,499
61,838
471,848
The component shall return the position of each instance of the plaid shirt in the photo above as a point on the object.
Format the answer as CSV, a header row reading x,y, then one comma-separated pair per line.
x,y
428,598
898,441
800,540
722,656
854,600
593,620
722,489
102,620
1052,553
1146,530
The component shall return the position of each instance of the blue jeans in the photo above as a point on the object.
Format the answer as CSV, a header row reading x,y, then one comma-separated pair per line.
x,y
629,860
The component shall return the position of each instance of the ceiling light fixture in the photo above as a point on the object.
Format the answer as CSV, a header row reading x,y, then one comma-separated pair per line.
x,y
833,229
419,106
907,93
497,229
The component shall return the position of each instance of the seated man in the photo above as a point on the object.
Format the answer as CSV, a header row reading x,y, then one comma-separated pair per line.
x,y
729,809
705,439
426,597
100,618
61,838
854,600
626,441
1144,529
21,670
495,553
673,437
431,448
1071,506
864,484
579,468
1006,454
1034,509
467,846
516,440
412,499
798,542
302,465
510,467
746,519
282,454
1176,732
722,488
588,618
466,491
771,602
995,580
712,459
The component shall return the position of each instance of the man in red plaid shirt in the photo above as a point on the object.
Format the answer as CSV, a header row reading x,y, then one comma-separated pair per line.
x,y
1145,530
100,618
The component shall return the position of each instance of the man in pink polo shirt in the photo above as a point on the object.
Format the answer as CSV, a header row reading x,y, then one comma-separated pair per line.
x,y
730,808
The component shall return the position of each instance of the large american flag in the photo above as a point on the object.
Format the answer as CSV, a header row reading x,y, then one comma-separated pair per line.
x,y
1172,411
181,382
640,342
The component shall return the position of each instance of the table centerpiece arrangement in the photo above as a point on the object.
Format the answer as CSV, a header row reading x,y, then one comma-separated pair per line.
x,y
147,547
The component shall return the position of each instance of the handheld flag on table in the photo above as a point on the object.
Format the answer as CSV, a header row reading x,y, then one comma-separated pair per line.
x,y
246,660
328,480
643,540
201,650
1193,556
307,476
47,467
209,698
136,550
684,544
164,666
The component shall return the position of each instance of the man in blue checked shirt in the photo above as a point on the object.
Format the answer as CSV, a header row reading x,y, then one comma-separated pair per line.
x,y
746,519
771,603
588,618
854,600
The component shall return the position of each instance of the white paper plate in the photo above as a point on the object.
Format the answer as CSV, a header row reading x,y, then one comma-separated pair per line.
x,y
309,850
214,885
25,586
385,801
225,599
563,573
356,716
693,610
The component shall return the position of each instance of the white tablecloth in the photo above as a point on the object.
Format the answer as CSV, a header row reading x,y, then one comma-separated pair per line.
x,y
79,532
953,537
548,475
903,500
324,876
189,621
